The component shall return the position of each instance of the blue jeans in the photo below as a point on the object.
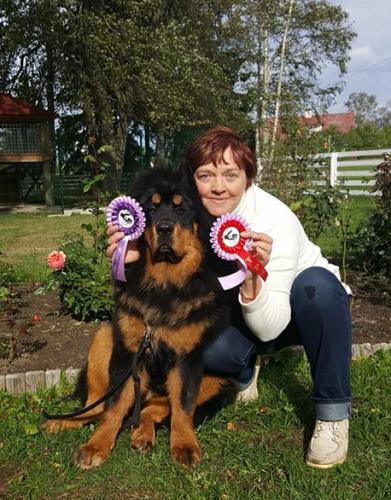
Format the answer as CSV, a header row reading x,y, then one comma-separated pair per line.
x,y
320,322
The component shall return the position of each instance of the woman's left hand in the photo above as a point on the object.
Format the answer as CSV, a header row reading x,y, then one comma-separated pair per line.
x,y
261,248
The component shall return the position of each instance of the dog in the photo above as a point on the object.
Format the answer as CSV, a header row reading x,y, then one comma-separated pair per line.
x,y
165,317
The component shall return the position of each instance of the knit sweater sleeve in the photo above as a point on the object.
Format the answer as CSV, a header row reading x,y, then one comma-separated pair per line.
x,y
270,312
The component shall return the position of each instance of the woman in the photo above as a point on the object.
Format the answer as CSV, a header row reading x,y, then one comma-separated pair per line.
x,y
302,302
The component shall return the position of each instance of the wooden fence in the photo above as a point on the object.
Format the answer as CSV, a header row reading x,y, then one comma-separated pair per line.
x,y
353,170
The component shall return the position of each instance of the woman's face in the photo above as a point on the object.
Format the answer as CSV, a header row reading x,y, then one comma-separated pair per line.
x,y
221,187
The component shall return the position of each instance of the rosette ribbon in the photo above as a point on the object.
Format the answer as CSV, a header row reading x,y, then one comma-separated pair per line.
x,y
127,214
229,245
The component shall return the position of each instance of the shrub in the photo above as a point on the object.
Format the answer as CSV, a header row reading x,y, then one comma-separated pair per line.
x,y
7,274
370,245
84,282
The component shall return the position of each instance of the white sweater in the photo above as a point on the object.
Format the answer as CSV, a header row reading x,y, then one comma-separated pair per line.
x,y
270,312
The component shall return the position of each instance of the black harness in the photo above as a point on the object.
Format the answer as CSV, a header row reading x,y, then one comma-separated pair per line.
x,y
145,343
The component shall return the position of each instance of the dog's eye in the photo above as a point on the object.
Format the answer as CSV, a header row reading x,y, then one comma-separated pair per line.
x,y
180,209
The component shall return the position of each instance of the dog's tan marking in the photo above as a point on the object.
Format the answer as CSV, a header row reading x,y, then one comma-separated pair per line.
x,y
132,329
98,448
182,339
177,199
97,380
184,243
156,199
153,412
209,388
183,442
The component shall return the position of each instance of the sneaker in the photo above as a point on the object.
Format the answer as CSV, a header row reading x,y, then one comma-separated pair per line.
x,y
250,393
329,444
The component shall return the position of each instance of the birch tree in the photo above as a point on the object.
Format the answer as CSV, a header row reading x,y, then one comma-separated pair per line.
x,y
290,43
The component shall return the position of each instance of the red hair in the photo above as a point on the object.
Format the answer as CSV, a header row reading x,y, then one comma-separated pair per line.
x,y
209,147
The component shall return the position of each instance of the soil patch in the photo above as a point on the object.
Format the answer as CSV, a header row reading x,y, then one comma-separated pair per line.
x,y
47,339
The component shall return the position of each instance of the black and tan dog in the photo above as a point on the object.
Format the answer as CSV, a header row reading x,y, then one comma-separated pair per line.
x,y
169,300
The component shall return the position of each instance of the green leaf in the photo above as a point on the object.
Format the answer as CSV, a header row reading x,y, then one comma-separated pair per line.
x,y
31,429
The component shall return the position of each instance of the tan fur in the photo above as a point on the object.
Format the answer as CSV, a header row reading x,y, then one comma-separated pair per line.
x,y
183,442
184,339
186,244
177,199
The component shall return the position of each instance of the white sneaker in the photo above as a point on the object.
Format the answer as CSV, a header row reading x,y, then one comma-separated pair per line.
x,y
250,393
329,444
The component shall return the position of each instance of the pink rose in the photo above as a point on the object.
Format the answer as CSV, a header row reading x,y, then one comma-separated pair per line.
x,y
56,260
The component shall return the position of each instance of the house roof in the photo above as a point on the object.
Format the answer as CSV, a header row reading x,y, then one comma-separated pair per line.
x,y
13,109
343,122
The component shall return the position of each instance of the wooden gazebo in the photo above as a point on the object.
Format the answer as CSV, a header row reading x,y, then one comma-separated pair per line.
x,y
26,149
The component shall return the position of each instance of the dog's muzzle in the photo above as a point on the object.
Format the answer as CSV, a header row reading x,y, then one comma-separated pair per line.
x,y
165,251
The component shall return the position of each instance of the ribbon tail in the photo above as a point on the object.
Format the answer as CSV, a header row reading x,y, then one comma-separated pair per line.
x,y
118,262
233,279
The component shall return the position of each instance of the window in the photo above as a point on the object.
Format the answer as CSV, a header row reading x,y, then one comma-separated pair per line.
x,y
16,138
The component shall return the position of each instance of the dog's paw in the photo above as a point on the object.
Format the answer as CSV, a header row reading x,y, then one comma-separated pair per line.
x,y
88,456
188,456
142,440
142,444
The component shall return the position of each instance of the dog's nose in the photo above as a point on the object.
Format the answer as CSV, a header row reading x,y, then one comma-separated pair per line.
x,y
164,227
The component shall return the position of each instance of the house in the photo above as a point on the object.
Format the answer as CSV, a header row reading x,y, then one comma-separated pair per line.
x,y
343,122
26,147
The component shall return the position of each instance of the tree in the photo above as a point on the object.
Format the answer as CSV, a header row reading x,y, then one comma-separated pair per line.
x,y
122,63
364,107
289,44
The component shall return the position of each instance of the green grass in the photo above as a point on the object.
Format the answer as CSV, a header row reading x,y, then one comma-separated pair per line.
x,y
26,240
262,456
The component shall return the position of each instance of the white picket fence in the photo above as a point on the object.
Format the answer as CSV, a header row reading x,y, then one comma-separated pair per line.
x,y
352,170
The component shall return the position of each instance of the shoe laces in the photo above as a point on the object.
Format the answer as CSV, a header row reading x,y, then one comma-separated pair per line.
x,y
332,429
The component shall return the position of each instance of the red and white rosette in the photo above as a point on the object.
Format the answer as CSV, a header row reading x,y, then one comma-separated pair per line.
x,y
229,245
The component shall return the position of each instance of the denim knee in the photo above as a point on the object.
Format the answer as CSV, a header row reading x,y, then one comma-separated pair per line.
x,y
231,352
318,288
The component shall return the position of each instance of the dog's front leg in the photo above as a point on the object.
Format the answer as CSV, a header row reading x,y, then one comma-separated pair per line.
x,y
183,442
98,448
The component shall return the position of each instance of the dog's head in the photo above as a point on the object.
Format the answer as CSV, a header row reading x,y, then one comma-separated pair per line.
x,y
171,233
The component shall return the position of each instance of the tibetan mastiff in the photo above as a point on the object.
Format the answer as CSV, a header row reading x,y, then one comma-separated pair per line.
x,y
165,316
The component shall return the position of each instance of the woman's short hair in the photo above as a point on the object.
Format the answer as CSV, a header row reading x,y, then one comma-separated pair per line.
x,y
209,147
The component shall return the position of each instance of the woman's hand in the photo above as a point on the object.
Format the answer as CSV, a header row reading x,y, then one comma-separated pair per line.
x,y
114,235
261,248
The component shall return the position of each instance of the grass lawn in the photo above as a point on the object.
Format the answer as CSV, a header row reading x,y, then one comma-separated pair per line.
x,y
26,240
253,451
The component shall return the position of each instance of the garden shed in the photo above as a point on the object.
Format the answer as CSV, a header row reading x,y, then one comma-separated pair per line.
x,y
26,148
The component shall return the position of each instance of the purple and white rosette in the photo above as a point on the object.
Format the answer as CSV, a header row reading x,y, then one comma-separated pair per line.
x,y
229,245
126,213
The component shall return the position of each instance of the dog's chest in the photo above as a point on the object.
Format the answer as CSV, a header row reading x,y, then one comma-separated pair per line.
x,y
158,362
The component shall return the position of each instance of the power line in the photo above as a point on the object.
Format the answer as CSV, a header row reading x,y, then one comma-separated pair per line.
x,y
365,69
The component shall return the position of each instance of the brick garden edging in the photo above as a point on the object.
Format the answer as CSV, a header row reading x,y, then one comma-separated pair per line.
x,y
29,382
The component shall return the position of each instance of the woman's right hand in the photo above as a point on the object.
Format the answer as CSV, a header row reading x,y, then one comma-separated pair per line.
x,y
114,235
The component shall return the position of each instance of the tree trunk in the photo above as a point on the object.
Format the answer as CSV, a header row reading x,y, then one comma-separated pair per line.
x,y
262,129
49,167
279,84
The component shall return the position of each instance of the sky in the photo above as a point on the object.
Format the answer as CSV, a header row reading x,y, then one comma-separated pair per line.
x,y
369,68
